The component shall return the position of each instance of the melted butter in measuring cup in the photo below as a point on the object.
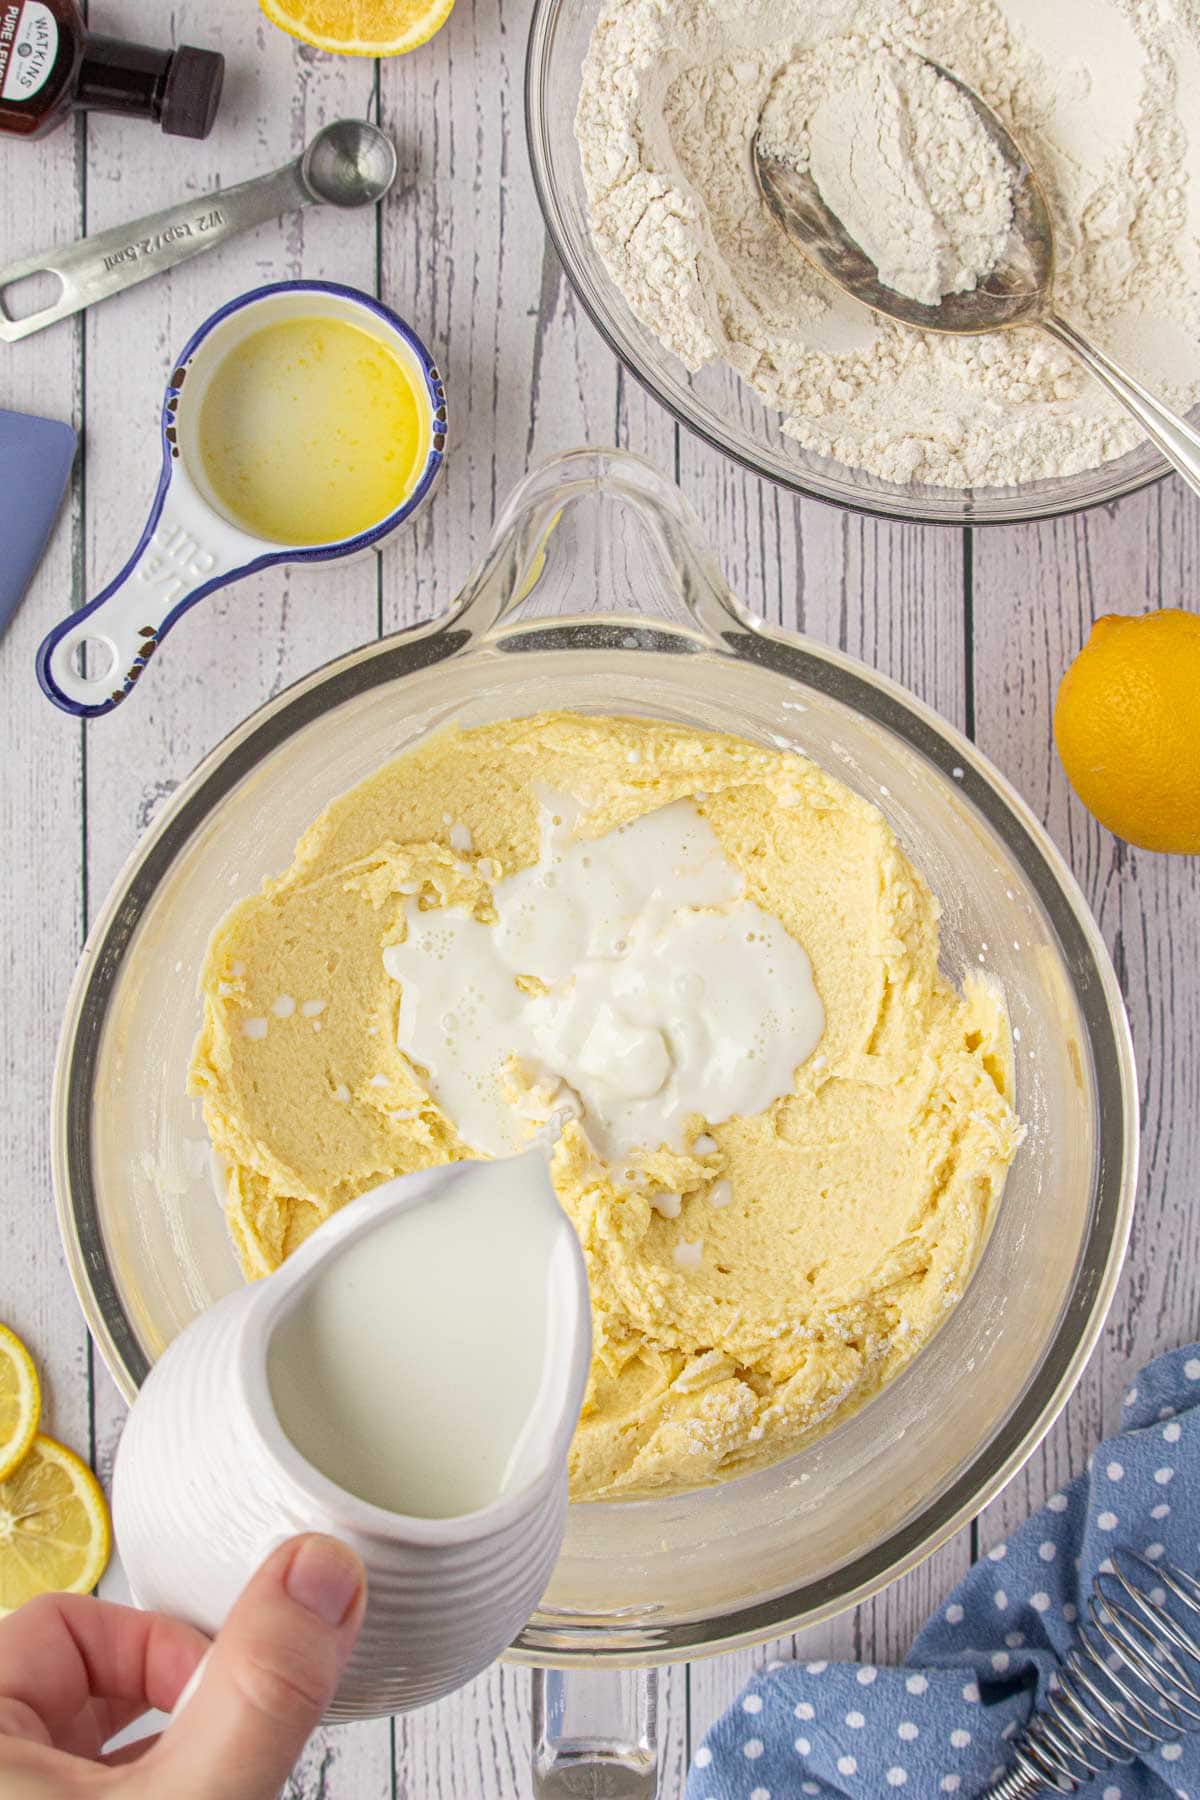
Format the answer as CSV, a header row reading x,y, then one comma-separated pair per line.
x,y
386,1373
312,430
652,987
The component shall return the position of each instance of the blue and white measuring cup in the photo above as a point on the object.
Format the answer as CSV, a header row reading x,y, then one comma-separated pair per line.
x,y
190,546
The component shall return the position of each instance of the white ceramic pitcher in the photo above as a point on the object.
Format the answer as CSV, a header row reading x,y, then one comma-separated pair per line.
x,y
206,1481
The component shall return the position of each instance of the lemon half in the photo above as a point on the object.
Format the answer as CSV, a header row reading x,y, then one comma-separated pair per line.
x,y
360,27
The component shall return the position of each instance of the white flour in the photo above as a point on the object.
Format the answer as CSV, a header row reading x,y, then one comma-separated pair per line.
x,y
900,157
1094,90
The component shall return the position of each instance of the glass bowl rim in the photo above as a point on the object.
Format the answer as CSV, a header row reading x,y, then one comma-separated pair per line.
x,y
548,1640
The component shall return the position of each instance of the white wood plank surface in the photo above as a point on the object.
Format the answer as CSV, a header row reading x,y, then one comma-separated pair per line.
x,y
41,875
249,641
1036,593
982,633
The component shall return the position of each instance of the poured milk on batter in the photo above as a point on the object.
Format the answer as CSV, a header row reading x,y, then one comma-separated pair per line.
x,y
385,1374
749,1290
630,967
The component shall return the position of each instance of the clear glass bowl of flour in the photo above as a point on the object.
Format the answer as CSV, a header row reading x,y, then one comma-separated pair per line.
x,y
598,594
714,403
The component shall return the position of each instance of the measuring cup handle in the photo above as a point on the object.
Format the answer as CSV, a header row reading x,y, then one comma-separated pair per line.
x,y
109,261
184,553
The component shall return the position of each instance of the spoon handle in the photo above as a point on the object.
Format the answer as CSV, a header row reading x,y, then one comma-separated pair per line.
x,y
109,261
1176,439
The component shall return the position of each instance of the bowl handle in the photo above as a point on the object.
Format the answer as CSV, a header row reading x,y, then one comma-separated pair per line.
x,y
595,1732
567,524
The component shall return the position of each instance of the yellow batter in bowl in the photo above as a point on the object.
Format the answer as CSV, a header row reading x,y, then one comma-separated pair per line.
x,y
860,1200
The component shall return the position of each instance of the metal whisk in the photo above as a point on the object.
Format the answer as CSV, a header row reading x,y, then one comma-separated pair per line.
x,y
1131,1682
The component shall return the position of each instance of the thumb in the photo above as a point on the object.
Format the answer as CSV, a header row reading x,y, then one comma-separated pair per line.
x,y
270,1675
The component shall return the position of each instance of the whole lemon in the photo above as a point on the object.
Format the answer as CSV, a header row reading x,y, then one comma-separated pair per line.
x,y
1127,726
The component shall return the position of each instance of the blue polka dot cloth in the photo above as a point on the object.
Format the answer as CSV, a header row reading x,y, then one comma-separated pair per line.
x,y
944,1722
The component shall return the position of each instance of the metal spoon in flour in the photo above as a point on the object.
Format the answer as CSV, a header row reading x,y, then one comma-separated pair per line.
x,y
1018,290
348,163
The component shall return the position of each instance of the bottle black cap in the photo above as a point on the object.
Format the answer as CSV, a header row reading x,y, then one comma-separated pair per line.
x,y
192,92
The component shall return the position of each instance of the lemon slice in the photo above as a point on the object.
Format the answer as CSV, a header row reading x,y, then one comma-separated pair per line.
x,y
20,1400
54,1529
360,27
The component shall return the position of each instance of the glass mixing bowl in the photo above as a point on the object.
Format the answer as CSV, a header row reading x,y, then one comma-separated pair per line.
x,y
655,1580
714,403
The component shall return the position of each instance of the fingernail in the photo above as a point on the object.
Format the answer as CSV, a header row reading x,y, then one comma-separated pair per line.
x,y
325,1578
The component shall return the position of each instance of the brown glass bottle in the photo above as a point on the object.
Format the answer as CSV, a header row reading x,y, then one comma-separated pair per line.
x,y
51,65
